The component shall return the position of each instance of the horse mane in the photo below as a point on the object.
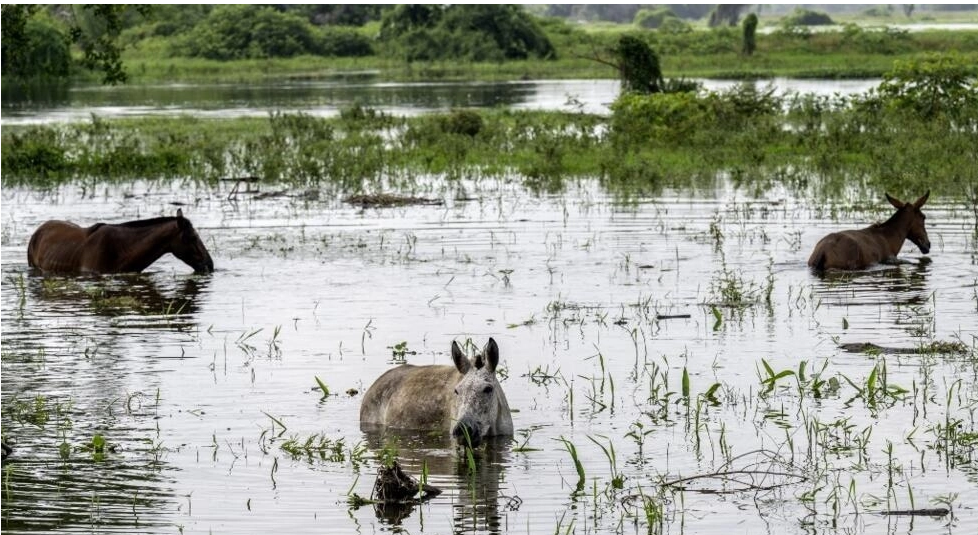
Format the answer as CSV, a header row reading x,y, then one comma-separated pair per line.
x,y
139,223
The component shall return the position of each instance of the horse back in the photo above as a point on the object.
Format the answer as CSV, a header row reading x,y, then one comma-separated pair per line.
x,y
411,397
849,249
57,246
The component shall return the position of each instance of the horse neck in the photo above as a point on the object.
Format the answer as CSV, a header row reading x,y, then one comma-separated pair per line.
x,y
895,231
145,245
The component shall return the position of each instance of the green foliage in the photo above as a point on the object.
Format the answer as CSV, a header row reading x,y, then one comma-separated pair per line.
x,y
96,31
471,32
807,17
248,31
16,53
47,51
638,65
931,86
653,18
750,31
33,45
344,42
885,11
464,122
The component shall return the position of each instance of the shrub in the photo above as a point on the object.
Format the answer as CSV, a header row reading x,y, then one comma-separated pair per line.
x,y
44,51
930,86
249,31
464,122
470,32
807,17
653,18
344,42
750,30
639,66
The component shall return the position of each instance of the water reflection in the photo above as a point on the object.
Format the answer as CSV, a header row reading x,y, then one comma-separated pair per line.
x,y
472,485
325,98
139,297
904,284
125,495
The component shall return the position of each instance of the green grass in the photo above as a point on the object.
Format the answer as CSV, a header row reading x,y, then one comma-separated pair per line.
x,y
848,53
757,140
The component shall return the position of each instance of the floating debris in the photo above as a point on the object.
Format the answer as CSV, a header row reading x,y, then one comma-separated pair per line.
x,y
385,200
394,485
933,347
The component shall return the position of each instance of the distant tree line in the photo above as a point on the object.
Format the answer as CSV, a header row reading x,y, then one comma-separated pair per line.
x,y
37,40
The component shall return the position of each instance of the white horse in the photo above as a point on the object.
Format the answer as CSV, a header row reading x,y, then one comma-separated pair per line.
x,y
465,400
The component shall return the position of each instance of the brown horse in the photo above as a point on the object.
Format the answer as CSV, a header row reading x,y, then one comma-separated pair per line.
x,y
859,249
63,247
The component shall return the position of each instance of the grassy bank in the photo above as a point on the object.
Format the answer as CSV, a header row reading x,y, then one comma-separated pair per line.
x,y
849,52
686,141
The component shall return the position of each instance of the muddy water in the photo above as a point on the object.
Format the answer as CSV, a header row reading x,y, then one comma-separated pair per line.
x,y
197,383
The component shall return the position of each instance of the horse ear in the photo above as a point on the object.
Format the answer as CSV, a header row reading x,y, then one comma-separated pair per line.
x,y
895,202
179,212
920,202
462,363
492,354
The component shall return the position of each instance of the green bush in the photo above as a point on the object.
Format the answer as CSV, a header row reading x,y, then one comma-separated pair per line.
x,y
463,122
38,151
750,31
469,32
807,17
249,31
934,85
344,42
653,18
675,26
44,51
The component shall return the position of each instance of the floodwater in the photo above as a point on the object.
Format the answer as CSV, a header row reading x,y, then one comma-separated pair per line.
x,y
325,98
197,384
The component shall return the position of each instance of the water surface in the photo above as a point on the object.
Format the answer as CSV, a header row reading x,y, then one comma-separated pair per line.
x,y
325,98
598,306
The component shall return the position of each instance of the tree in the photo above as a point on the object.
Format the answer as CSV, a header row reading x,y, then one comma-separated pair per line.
x,y
638,65
750,29
726,14
908,10
485,32
15,38
94,28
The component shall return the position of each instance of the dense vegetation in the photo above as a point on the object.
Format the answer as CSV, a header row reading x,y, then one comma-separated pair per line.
x,y
919,130
244,42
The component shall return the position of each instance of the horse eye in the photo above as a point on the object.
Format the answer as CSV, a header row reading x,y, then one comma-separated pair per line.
x,y
456,391
487,390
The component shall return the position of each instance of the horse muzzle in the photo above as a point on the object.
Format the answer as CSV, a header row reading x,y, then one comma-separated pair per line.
x,y
924,246
206,267
466,434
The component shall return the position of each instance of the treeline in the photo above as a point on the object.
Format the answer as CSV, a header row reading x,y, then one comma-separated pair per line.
x,y
37,40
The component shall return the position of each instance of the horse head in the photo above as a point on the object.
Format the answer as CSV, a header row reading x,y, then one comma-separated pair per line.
x,y
477,394
914,220
188,247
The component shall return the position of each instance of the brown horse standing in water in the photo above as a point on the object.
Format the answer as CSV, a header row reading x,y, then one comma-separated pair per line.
x,y
63,247
859,249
